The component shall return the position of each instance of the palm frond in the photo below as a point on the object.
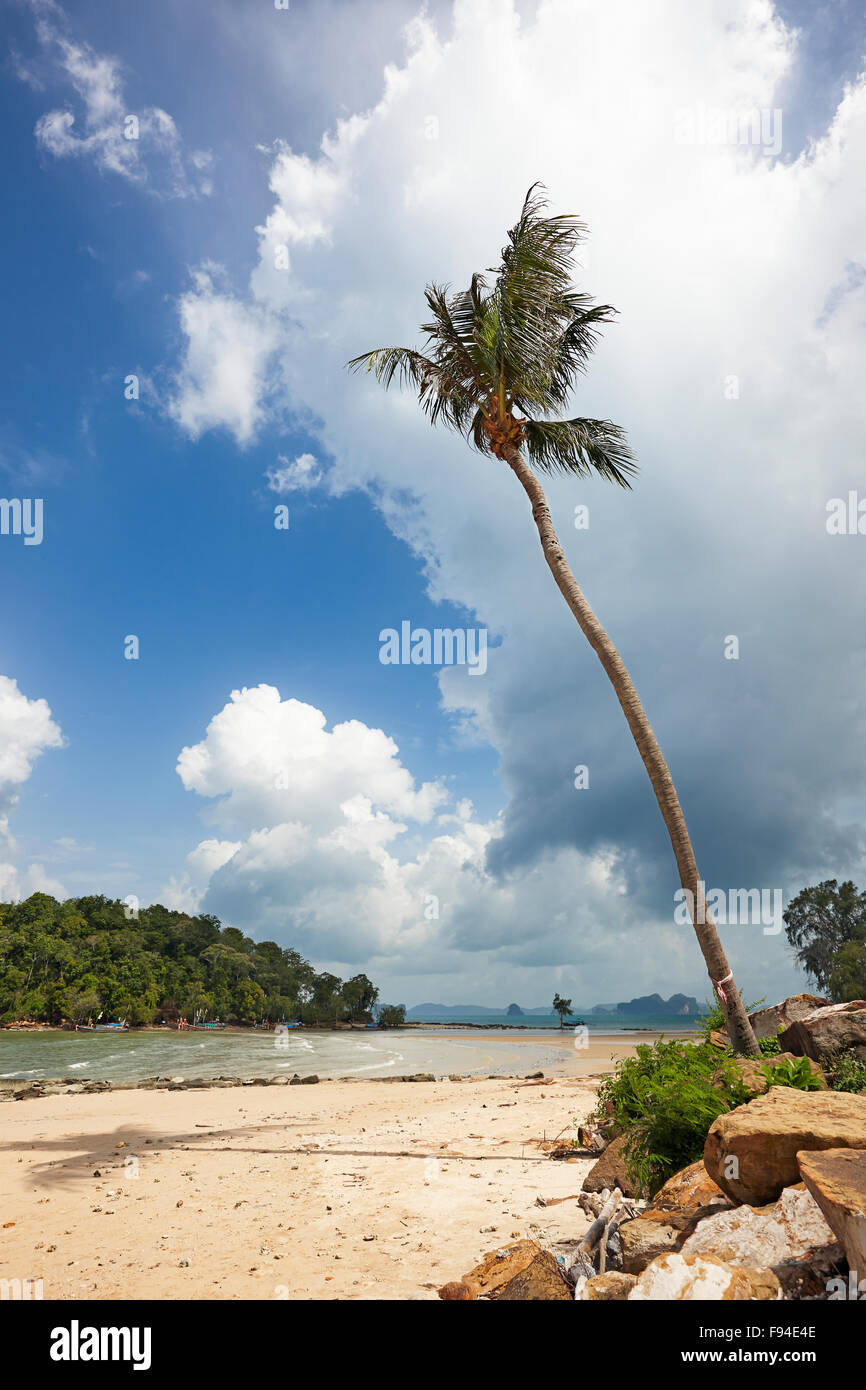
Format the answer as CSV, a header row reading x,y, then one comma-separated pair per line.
x,y
441,393
576,344
497,353
451,334
534,298
580,447
386,363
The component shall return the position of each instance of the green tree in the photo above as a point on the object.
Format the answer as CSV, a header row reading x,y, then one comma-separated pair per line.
x,y
499,367
359,995
820,923
391,1016
562,1007
848,976
70,960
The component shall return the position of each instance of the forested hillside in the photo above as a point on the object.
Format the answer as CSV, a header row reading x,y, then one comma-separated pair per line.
x,y
73,959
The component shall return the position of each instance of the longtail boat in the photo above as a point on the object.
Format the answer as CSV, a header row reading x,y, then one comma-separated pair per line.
x,y
122,1027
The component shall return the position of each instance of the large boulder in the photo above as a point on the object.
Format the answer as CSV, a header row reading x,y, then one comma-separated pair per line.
x,y
613,1287
826,1031
793,1228
500,1266
836,1179
751,1152
704,1278
542,1281
767,1022
609,1170
654,1233
690,1187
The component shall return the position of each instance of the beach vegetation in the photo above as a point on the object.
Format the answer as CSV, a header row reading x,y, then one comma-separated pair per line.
x,y
86,957
848,1072
667,1096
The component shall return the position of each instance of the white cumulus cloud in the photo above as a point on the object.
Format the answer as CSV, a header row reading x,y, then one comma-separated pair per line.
x,y
143,145
26,731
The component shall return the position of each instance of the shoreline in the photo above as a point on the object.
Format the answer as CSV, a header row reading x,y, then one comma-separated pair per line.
x,y
49,1064
248,1030
591,1061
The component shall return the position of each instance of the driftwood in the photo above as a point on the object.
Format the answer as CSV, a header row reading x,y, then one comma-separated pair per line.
x,y
610,1210
601,1222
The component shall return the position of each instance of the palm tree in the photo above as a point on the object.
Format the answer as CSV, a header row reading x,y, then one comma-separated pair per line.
x,y
562,1007
497,359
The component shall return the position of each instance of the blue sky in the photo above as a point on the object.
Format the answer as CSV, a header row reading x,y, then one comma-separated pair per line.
x,y
156,258
151,534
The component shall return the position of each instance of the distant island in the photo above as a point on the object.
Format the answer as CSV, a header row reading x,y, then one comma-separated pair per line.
x,y
651,1005
644,1006
459,1011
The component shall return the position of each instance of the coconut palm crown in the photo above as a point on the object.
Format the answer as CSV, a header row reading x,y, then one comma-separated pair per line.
x,y
500,358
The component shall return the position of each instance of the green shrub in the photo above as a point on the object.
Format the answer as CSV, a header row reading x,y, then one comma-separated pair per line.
x,y
667,1096
849,1073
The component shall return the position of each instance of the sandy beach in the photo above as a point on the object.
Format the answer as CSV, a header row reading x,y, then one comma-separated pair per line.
x,y
355,1189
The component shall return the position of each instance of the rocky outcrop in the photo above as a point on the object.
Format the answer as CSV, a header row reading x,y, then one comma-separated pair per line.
x,y
793,1228
767,1022
703,1278
61,1086
824,1032
751,1152
609,1171
836,1178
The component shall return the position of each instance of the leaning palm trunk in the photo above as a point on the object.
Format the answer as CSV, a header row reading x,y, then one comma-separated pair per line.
x,y
498,360
739,1028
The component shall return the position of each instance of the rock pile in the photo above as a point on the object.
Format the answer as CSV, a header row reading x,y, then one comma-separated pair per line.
x,y
775,1210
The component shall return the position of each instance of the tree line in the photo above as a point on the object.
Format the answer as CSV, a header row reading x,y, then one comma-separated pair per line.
x,y
87,956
